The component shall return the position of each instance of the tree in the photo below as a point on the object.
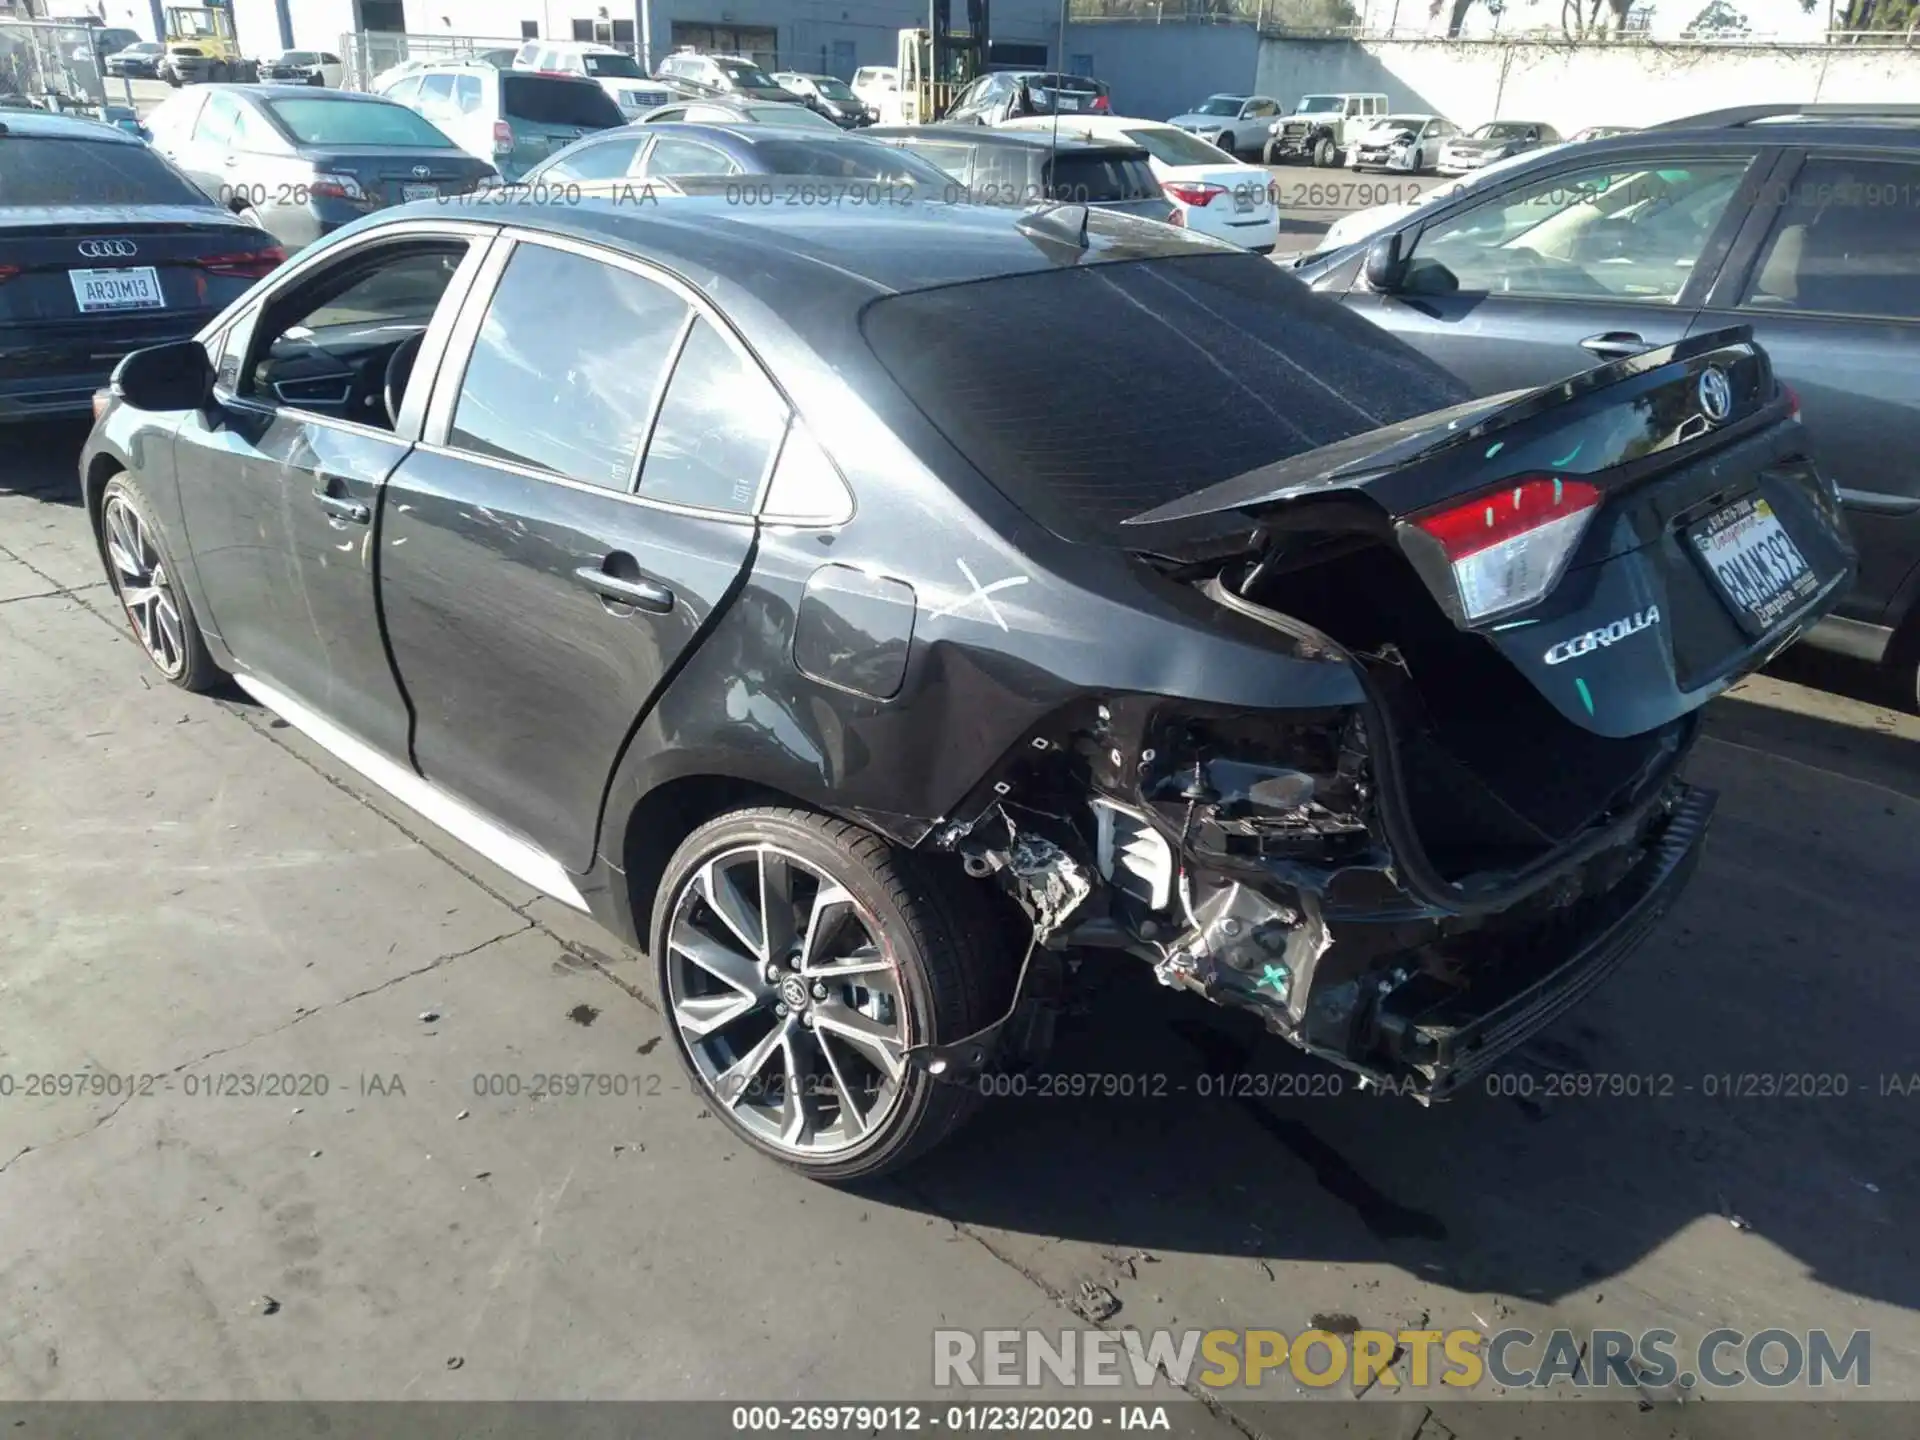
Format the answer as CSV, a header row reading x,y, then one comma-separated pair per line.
x,y
1864,17
1718,20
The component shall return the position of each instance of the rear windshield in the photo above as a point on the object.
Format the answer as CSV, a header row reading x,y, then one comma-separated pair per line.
x,y
357,122
1176,147
848,160
299,57
1090,179
621,67
549,100
1060,386
41,171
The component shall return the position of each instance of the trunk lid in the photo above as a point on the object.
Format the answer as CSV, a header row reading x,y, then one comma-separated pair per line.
x,y
393,175
93,268
1694,536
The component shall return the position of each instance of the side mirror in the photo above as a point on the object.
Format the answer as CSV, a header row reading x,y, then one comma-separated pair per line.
x,y
1385,268
175,376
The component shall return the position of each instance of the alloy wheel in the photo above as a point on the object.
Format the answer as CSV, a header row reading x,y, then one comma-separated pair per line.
x,y
788,1000
140,575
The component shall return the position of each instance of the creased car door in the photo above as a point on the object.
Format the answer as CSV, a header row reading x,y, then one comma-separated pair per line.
x,y
1562,273
533,601
281,477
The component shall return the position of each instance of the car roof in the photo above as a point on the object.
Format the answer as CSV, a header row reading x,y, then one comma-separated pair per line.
x,y
990,136
302,92
44,125
773,251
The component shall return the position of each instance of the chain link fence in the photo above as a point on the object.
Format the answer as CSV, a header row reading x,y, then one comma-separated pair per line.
x,y
51,66
366,56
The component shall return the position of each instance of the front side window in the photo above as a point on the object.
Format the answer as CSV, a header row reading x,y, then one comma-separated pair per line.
x,y
326,347
407,91
564,369
1627,233
436,92
609,160
717,430
1843,243
673,158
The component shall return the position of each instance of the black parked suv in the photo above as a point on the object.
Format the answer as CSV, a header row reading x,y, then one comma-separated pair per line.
x,y
1022,167
1802,222
827,600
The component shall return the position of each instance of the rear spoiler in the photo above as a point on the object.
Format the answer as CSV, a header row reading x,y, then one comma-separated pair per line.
x,y
1366,462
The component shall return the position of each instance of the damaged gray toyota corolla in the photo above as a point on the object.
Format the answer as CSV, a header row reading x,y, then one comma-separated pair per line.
x,y
984,593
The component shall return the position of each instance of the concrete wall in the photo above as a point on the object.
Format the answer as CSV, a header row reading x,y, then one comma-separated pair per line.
x,y
1160,70
807,34
1571,87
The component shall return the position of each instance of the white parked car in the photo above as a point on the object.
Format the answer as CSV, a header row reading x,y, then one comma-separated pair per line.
x,y
878,87
615,71
1401,142
1234,123
1362,223
302,67
1212,192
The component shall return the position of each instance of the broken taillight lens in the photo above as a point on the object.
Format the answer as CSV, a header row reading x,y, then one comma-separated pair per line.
x,y
1508,547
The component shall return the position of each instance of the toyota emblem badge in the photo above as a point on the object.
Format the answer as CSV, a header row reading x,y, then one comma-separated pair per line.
x,y
421,172
108,249
1716,394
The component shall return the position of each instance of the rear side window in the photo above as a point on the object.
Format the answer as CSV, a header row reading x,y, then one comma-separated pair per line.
x,y
548,100
1089,179
848,160
608,160
35,171
436,89
673,157
717,429
466,94
1843,243
1054,384
565,367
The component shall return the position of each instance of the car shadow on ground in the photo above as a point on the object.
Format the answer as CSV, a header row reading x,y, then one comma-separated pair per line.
x,y
40,460
1780,961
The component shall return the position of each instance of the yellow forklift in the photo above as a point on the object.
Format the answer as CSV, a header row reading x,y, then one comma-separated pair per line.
x,y
201,46
937,63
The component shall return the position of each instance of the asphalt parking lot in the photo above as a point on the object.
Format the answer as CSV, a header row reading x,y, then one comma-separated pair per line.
x,y
196,901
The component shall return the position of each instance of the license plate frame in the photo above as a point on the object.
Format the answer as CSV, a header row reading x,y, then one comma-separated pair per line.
x,y
423,191
1751,560
153,295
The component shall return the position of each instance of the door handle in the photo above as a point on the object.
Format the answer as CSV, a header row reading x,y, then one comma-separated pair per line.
x,y
1614,344
645,595
341,508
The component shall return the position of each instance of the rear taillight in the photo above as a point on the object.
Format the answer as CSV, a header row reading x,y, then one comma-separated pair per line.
x,y
7,272
502,138
1100,104
1197,193
247,265
1793,397
1508,547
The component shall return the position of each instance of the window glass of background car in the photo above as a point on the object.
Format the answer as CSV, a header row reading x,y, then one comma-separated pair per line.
x,y
466,94
218,121
671,156
173,122
952,159
436,93
407,91
1844,242
565,366
1627,233
343,323
609,160
717,428
1006,175
1091,178
552,100
93,172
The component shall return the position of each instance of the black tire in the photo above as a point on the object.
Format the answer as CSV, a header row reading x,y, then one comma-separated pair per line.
x,y
173,79
219,74
191,668
954,965
1226,143
1269,154
1324,152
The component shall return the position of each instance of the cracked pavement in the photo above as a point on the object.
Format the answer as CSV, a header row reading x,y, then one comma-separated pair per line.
x,y
296,1013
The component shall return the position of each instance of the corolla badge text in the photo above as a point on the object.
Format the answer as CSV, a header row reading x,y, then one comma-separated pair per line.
x,y
1606,635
